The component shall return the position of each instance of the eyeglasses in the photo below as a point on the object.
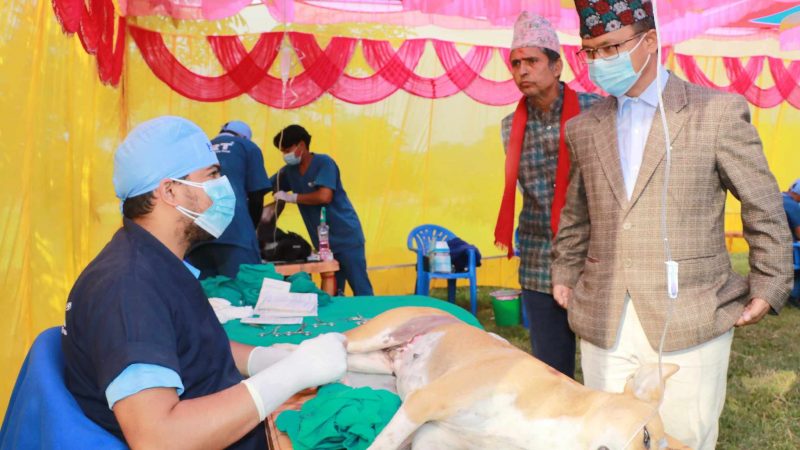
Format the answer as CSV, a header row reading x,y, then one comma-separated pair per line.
x,y
607,52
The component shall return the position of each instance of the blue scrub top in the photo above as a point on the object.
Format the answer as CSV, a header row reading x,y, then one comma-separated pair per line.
x,y
792,209
242,162
136,303
345,228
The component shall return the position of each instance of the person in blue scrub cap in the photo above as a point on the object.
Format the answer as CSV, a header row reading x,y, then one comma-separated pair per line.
x,y
242,163
145,356
313,180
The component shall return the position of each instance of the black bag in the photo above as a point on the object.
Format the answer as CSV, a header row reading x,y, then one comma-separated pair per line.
x,y
288,246
459,255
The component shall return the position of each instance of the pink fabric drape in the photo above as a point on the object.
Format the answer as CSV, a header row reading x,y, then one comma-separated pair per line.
x,y
787,81
495,12
684,22
743,79
183,9
790,39
94,24
680,19
322,72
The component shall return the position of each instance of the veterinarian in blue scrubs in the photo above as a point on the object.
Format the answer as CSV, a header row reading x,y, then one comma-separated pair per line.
x,y
312,181
145,356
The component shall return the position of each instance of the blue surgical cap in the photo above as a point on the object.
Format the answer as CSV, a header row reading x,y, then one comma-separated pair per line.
x,y
165,147
796,187
239,128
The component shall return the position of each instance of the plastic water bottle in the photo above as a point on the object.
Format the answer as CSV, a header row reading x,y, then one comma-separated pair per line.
x,y
323,235
441,258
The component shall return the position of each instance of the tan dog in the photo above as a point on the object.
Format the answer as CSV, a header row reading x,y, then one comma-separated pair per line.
x,y
463,388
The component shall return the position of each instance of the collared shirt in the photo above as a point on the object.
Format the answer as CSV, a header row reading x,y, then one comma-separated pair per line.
x,y
537,174
634,118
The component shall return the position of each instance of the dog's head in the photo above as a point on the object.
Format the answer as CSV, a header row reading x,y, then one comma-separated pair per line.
x,y
630,421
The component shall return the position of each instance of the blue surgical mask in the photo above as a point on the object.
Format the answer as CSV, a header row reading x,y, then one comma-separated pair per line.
x,y
291,159
219,215
616,76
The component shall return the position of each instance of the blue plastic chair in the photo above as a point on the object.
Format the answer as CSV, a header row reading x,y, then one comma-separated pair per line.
x,y
419,241
796,248
42,413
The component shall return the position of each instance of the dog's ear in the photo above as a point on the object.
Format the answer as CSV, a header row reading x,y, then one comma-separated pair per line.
x,y
645,383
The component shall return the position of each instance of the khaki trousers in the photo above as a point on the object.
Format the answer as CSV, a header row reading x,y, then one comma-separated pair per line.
x,y
694,396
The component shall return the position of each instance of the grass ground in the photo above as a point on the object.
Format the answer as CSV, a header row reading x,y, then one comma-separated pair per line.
x,y
762,409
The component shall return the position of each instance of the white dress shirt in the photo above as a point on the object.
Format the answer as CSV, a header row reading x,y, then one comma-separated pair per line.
x,y
634,118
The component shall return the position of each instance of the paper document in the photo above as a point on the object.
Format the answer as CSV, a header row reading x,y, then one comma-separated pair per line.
x,y
286,304
270,287
271,320
277,306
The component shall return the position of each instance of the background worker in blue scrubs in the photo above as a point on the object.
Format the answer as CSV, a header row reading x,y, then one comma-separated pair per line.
x,y
314,182
241,161
145,356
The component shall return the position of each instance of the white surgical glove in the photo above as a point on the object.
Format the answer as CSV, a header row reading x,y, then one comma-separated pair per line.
x,y
314,362
262,357
290,197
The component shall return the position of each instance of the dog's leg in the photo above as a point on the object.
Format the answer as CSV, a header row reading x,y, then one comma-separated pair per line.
x,y
372,362
397,432
419,407
433,437
395,327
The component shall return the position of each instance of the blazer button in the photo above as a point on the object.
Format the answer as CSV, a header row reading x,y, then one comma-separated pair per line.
x,y
627,226
628,262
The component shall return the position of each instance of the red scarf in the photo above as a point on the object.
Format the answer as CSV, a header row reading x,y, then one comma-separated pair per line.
x,y
504,230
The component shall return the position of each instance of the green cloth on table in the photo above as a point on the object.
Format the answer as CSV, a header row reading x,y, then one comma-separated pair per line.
x,y
340,311
245,288
302,283
222,287
339,417
251,277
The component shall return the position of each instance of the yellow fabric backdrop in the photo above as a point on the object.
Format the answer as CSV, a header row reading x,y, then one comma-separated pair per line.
x,y
405,161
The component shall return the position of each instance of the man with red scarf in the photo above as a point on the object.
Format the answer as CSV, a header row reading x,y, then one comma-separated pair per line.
x,y
537,159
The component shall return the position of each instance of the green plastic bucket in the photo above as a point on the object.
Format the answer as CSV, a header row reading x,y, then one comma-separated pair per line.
x,y
506,305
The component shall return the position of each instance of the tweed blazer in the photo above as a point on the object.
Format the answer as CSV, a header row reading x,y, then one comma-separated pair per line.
x,y
608,245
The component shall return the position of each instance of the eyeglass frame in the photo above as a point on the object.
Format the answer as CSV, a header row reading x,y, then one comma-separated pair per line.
x,y
583,53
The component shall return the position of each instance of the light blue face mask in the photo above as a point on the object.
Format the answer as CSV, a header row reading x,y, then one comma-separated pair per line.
x,y
291,159
220,214
616,76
